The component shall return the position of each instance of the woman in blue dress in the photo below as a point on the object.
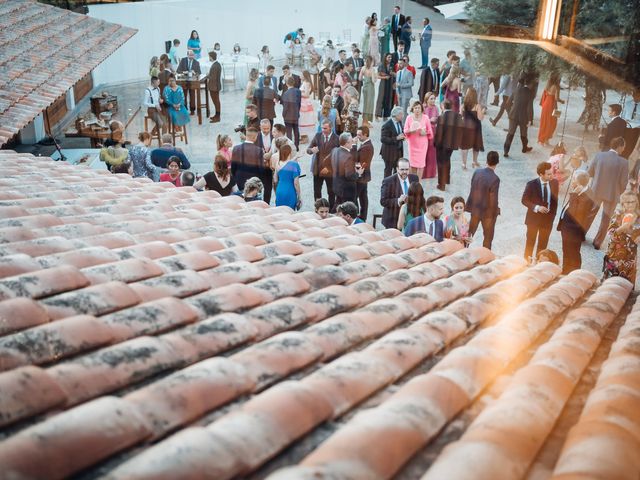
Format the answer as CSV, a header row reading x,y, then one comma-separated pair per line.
x,y
287,178
174,98
194,44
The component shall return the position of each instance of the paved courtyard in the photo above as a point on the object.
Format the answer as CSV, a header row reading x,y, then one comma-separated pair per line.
x,y
514,171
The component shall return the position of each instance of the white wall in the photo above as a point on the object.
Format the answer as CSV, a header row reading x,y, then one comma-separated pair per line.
x,y
252,23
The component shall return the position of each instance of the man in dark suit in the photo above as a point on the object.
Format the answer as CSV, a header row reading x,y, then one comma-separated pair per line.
x,y
483,199
397,20
321,147
610,174
615,128
540,196
187,65
286,75
264,140
160,156
573,220
345,172
393,193
247,161
397,55
214,84
448,137
430,222
265,99
430,79
391,137
519,115
406,34
363,152
358,63
291,100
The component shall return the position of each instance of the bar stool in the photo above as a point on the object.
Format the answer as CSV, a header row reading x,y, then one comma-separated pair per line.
x,y
204,97
180,135
154,136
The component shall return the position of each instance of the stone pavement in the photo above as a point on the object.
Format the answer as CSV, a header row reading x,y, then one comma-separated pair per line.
x,y
514,171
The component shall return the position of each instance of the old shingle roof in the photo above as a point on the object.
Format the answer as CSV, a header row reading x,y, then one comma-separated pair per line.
x,y
153,332
44,51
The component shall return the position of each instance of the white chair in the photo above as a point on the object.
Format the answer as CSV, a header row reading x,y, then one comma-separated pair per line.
x,y
229,74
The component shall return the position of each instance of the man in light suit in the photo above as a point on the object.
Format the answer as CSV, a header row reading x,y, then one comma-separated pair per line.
x,y
430,222
214,84
393,193
573,219
189,64
321,147
540,196
345,171
482,202
425,42
397,20
610,174
404,85
430,79
391,138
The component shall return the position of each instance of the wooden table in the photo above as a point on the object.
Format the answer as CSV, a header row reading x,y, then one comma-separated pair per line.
x,y
97,134
194,83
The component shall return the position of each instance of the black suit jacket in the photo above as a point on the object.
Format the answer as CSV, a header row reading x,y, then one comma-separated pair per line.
x,y
183,66
575,221
615,128
397,28
291,101
532,196
364,156
260,143
343,164
246,162
483,196
521,104
428,83
449,130
282,84
264,98
322,159
389,193
339,103
391,148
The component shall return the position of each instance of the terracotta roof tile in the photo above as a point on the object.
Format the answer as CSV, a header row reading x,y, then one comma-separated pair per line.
x,y
11,265
324,276
19,313
43,283
247,253
236,272
280,264
80,258
232,298
41,246
184,283
53,341
24,392
50,449
152,250
196,260
96,300
127,271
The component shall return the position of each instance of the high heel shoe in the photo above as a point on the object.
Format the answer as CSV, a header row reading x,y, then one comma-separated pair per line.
x,y
475,165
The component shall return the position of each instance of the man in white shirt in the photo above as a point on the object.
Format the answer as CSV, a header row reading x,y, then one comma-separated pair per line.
x,y
280,131
393,193
153,103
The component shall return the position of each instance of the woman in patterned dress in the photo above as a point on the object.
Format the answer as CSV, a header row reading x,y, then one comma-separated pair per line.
x,y
624,236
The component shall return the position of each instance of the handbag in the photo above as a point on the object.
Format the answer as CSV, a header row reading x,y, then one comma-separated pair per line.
x,y
557,113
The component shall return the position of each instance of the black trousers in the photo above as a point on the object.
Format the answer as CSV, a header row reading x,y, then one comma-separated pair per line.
x,y
541,234
443,160
362,197
503,108
390,167
293,132
192,100
267,181
571,258
488,228
317,190
396,37
513,126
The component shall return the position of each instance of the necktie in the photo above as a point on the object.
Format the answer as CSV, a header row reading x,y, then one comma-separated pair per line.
x,y
635,109
190,61
545,197
431,229
405,187
399,76
398,127
326,139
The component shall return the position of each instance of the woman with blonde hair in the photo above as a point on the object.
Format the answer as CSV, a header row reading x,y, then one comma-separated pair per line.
x,y
307,120
451,88
368,79
327,112
224,144
472,113
624,236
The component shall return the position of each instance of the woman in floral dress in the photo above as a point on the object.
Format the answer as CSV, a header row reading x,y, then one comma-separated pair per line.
x,y
624,236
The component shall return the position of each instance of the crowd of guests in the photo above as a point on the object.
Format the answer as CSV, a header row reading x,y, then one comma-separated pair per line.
x,y
426,114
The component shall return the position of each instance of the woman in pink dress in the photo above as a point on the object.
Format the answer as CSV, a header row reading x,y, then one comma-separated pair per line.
x,y
225,144
432,112
417,129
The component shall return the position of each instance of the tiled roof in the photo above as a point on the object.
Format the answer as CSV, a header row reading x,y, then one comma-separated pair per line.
x,y
153,332
44,51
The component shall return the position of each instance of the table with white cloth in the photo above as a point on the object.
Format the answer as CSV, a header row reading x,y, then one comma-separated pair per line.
x,y
235,69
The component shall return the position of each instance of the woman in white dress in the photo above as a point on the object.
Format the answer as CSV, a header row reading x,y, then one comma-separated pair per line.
x,y
374,43
307,121
265,59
